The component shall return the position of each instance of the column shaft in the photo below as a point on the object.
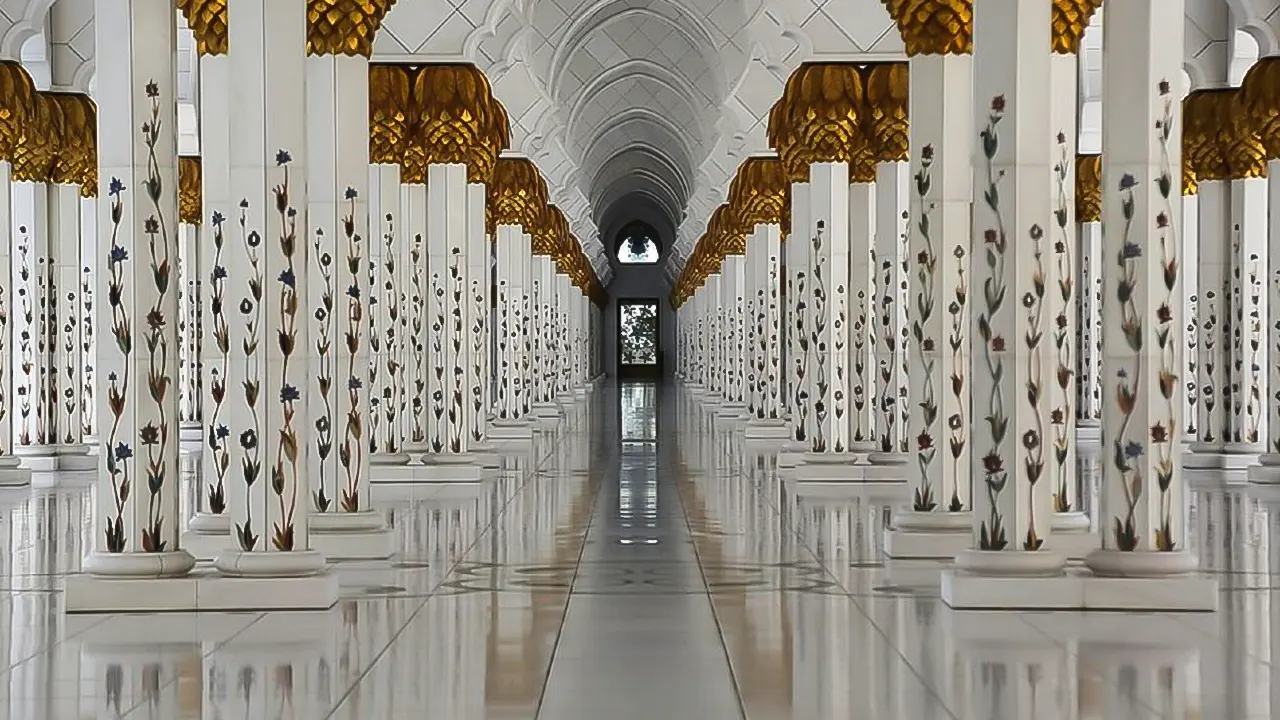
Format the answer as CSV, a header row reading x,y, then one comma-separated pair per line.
x,y
1010,262
136,507
798,249
337,167
275,391
938,310
64,315
447,306
828,235
891,202
1142,504
862,311
478,267
223,330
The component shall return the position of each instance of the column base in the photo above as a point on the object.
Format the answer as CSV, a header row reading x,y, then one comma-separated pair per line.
x,y
207,535
12,474
350,536
1267,471
1088,432
486,454
830,467
1079,591
56,458
765,429
138,565
1210,456
201,591
1072,535
237,563
444,468
504,431
385,459
928,535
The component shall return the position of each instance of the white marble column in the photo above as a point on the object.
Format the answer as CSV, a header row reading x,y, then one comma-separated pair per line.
x,y
1061,309
18,91
32,279
768,245
860,364
222,336
510,292
1012,360
892,199
829,306
798,249
447,219
272,383
477,401
941,290
1088,251
732,306
136,504
1264,106
419,341
1142,504
343,233
65,359
524,324
940,421
395,321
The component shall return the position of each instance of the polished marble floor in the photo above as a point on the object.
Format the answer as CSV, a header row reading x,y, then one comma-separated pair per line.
x,y
636,565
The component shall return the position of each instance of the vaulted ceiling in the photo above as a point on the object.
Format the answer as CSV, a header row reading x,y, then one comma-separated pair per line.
x,y
637,109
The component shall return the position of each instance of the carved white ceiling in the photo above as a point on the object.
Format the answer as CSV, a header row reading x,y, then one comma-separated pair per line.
x,y
637,109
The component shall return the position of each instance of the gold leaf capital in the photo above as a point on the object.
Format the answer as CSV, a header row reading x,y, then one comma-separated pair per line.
x,y
344,27
933,27
208,22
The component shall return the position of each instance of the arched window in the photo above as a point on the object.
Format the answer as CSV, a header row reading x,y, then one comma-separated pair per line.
x,y
637,244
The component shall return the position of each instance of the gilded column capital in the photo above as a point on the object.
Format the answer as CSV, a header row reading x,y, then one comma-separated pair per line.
x,y
1069,20
885,123
1219,136
344,27
552,228
389,111
822,102
1261,99
208,22
455,119
781,139
517,195
1201,151
1088,188
933,27
76,152
761,195
190,196
726,232
37,150
1243,151
17,95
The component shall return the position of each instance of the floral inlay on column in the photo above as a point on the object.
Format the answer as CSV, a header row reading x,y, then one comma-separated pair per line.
x,y
88,409
995,240
351,452
1164,431
25,350
217,433
1064,372
417,323
923,499
115,450
251,309
285,468
393,392
324,374
818,326
155,436
457,288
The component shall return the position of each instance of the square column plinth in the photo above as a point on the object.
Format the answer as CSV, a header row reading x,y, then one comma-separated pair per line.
x,y
1079,590
204,590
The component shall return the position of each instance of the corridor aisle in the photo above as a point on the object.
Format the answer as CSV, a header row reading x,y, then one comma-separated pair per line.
x,y
667,577
639,638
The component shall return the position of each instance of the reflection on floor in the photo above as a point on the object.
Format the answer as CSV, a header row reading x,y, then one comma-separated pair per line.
x,y
661,577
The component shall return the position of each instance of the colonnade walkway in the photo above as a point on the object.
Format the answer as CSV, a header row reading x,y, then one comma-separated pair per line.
x,y
669,575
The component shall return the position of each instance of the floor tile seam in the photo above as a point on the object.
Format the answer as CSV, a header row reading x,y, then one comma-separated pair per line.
x,y
800,541
530,475
174,679
715,613
568,600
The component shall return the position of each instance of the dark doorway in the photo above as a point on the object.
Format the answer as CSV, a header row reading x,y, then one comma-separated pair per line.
x,y
638,357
